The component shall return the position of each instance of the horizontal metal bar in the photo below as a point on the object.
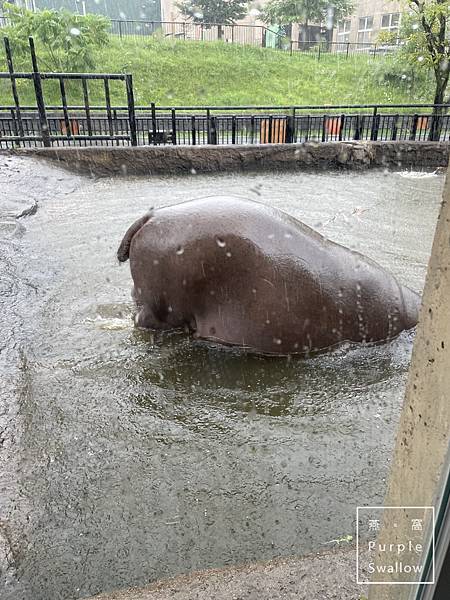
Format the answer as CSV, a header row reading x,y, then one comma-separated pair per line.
x,y
185,23
115,76
59,138
234,108
297,107
89,137
254,107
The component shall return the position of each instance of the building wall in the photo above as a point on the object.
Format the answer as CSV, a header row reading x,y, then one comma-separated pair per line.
x,y
146,10
369,18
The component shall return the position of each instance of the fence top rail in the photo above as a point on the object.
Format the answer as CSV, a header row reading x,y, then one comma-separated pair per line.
x,y
298,107
236,108
115,76
205,24
314,43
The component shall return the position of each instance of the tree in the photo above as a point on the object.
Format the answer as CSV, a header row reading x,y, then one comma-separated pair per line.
x,y
306,11
213,11
68,40
424,41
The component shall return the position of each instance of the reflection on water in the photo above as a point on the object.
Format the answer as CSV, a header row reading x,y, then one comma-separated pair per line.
x,y
130,456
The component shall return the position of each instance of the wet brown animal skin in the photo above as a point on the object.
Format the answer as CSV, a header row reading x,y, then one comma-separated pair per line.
x,y
241,273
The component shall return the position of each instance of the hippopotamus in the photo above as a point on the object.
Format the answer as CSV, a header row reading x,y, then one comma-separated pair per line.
x,y
240,273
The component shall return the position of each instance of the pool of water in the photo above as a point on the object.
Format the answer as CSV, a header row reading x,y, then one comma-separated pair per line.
x,y
128,457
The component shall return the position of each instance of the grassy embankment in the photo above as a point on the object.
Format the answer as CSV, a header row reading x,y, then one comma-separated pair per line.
x,y
176,72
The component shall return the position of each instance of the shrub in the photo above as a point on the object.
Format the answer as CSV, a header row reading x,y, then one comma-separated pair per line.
x,y
65,42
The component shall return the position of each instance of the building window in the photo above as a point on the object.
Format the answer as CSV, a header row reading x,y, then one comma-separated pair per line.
x,y
365,30
343,32
390,21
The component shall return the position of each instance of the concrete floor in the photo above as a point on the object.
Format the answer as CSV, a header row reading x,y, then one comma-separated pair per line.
x,y
326,576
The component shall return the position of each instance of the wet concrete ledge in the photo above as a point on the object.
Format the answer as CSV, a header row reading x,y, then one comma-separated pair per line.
x,y
177,160
325,576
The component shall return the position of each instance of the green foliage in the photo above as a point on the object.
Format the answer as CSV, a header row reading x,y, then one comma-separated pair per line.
x,y
306,11
213,11
396,73
425,40
65,41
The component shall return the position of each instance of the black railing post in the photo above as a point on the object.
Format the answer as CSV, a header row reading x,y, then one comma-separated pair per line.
x,y
208,126
87,108
357,135
174,127
233,129
308,127
232,34
375,125
348,48
184,30
290,123
43,123
62,90
213,130
324,127
252,129
15,94
341,127
108,107
120,29
291,44
131,109
395,128
436,124
269,134
413,133
193,131
154,130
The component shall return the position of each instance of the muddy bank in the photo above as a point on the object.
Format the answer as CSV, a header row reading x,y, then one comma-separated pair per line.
x,y
326,576
178,160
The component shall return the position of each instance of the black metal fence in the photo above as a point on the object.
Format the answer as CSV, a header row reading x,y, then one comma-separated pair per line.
x,y
342,49
253,35
84,123
42,125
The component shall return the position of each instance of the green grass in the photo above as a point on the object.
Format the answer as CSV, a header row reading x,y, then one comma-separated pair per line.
x,y
176,72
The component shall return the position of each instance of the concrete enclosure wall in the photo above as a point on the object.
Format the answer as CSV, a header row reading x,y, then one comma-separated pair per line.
x,y
178,160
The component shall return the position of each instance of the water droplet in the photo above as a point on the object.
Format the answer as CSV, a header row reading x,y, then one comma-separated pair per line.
x,y
180,250
221,243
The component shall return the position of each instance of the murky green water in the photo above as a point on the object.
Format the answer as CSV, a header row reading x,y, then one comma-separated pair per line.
x,y
128,457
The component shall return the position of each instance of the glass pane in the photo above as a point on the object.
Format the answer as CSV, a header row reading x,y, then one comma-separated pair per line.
x,y
130,455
